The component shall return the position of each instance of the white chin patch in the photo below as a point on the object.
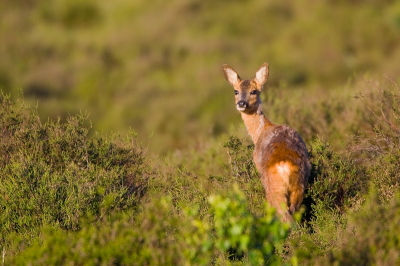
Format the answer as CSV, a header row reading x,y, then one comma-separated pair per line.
x,y
241,109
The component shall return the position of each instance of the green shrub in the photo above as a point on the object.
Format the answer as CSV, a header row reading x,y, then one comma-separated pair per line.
x,y
191,178
317,237
385,174
162,234
148,238
53,174
240,159
335,182
242,170
351,224
370,236
379,150
383,106
239,230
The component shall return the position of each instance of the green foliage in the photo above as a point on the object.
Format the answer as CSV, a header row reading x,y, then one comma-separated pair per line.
x,y
242,170
372,235
380,149
385,174
120,239
159,234
68,197
335,182
364,230
237,229
240,159
317,237
190,178
52,174
383,102
369,236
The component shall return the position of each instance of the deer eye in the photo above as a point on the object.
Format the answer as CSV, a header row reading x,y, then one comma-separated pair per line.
x,y
236,92
253,92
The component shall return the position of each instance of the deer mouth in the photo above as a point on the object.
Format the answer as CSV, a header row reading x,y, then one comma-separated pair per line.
x,y
241,109
242,105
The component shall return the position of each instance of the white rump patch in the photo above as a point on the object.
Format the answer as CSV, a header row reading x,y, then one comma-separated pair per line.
x,y
283,168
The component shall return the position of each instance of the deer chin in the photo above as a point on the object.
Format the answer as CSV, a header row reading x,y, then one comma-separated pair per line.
x,y
241,109
248,109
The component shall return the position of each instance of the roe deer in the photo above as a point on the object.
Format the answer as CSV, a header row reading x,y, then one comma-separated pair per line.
x,y
280,155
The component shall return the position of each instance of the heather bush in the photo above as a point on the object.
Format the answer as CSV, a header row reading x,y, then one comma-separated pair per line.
x,y
53,174
160,234
379,149
242,170
368,235
336,184
186,183
71,197
335,181
148,238
361,191
371,236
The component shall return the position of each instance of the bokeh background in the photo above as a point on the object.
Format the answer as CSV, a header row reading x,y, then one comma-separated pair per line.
x,y
155,66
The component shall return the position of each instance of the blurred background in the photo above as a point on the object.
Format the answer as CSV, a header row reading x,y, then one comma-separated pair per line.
x,y
156,66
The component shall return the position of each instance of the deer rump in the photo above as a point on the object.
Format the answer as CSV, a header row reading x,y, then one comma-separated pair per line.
x,y
281,158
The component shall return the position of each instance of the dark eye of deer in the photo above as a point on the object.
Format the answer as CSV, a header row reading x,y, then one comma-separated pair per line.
x,y
236,92
253,92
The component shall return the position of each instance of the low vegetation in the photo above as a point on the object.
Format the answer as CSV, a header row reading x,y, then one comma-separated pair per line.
x,y
181,188
70,197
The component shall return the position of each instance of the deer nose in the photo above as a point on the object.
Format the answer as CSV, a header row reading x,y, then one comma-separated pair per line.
x,y
242,104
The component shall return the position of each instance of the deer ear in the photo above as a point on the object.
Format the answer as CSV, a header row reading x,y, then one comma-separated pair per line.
x,y
262,74
231,76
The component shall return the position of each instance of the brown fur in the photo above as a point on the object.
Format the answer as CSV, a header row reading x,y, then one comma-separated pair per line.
x,y
280,154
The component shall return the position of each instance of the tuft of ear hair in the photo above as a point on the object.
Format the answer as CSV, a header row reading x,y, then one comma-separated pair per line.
x,y
262,74
231,76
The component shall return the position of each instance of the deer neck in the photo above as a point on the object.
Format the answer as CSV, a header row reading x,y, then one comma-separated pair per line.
x,y
256,123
